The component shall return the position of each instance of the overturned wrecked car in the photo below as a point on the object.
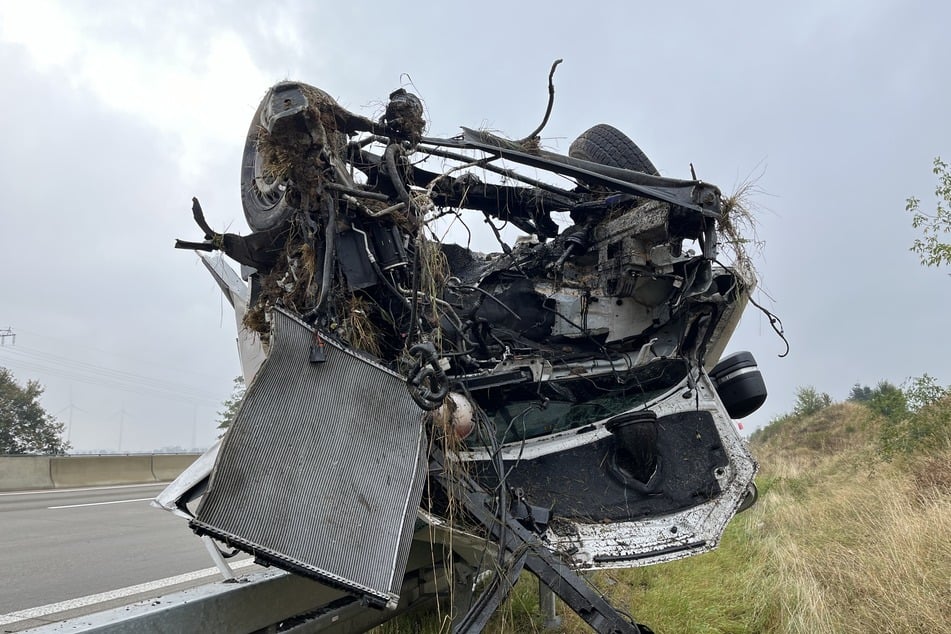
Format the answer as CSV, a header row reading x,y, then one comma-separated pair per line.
x,y
571,386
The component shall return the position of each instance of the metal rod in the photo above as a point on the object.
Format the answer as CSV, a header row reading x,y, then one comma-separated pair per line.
x,y
216,557
359,193
434,151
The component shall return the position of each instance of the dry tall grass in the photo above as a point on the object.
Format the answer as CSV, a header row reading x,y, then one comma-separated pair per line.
x,y
859,550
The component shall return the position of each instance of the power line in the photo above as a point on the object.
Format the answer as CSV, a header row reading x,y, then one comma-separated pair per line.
x,y
87,351
103,371
93,374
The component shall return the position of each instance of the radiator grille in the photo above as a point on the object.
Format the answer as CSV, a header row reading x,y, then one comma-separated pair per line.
x,y
321,472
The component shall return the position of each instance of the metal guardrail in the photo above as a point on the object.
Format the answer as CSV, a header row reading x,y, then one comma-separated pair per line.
x,y
262,600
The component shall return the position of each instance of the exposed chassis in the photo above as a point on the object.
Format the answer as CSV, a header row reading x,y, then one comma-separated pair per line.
x,y
574,377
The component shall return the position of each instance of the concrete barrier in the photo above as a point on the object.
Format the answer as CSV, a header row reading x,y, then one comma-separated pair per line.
x,y
25,473
166,467
78,471
22,473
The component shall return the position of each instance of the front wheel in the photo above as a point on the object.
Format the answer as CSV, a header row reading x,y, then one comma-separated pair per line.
x,y
264,194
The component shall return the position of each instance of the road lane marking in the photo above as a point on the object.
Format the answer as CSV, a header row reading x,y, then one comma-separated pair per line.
x,y
74,506
102,597
108,488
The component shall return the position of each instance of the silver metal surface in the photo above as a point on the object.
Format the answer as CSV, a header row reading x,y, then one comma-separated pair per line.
x,y
257,602
261,601
216,557
546,607
251,349
187,480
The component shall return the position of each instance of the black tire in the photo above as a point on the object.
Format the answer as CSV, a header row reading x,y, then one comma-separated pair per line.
x,y
609,146
749,498
264,200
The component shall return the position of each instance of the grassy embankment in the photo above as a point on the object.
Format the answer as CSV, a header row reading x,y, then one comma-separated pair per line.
x,y
852,533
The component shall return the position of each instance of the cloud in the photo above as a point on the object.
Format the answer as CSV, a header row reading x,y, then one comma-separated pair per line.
x,y
195,86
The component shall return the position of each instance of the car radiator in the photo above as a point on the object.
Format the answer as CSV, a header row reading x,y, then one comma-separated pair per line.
x,y
321,471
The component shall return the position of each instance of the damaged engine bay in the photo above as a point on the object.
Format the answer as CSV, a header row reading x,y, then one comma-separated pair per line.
x,y
575,378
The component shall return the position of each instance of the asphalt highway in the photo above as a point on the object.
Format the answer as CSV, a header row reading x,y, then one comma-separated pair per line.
x,y
70,552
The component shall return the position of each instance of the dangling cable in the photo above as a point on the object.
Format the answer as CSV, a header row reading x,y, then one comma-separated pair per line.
x,y
776,324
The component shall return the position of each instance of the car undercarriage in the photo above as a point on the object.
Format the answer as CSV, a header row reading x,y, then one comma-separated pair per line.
x,y
573,383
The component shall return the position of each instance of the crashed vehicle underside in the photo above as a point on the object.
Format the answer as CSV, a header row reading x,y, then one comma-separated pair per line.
x,y
575,377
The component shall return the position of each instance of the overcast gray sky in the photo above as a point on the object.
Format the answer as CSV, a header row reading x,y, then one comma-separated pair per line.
x,y
116,113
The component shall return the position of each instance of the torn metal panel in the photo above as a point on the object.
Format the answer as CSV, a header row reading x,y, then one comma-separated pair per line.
x,y
189,484
321,471
251,350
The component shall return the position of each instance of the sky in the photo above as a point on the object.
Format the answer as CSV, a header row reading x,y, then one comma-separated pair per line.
x,y
115,114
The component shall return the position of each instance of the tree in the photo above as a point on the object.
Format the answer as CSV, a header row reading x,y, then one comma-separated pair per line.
x,y
809,401
231,404
25,427
930,247
860,393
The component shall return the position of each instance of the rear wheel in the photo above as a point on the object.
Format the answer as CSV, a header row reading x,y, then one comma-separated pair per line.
x,y
609,146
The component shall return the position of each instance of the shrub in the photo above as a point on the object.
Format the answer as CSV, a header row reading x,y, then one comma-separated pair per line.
x,y
809,401
888,401
926,430
921,391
